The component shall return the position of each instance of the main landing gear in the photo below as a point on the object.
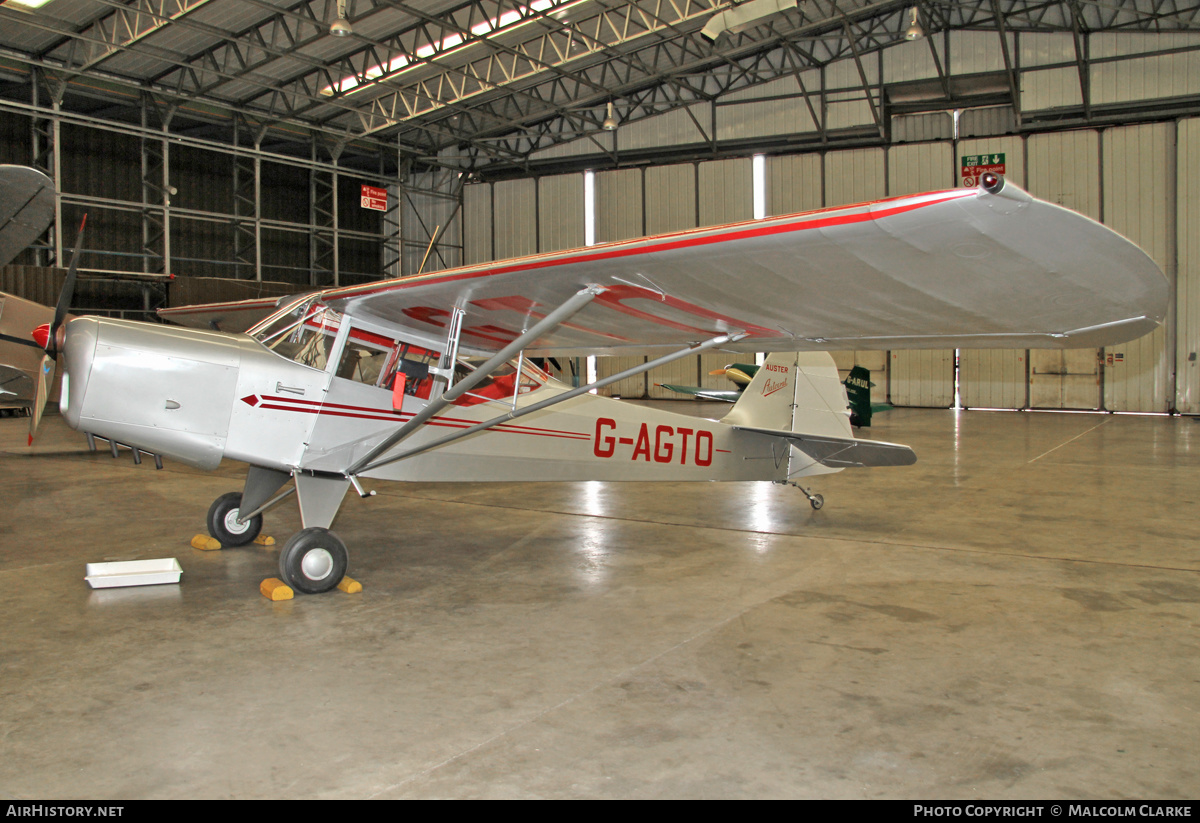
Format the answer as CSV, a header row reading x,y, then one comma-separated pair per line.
x,y
223,522
314,560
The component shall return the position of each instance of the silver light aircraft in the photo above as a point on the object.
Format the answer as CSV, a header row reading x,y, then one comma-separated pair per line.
x,y
428,377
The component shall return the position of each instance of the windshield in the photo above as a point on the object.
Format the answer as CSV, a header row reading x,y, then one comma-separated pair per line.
x,y
288,309
303,332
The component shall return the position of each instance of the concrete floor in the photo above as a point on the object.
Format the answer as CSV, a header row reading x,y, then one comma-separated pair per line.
x,y
1015,616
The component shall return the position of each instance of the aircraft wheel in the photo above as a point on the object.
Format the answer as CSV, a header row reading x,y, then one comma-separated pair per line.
x,y
816,501
313,561
223,525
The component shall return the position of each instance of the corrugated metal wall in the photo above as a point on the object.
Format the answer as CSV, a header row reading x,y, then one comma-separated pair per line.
x,y
514,218
560,212
678,127
1064,168
726,191
477,223
1143,78
795,183
1138,165
619,205
1187,223
855,176
771,108
670,198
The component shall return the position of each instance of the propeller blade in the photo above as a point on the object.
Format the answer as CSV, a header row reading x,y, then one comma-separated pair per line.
x,y
41,390
68,290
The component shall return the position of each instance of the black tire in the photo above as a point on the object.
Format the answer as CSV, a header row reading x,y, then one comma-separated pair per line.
x,y
313,561
222,523
817,502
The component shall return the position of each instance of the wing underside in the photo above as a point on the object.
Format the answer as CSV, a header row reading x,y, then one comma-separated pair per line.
x,y
234,316
961,268
26,209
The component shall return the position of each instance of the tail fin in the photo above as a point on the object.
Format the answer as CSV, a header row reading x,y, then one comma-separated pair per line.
x,y
800,400
796,392
858,392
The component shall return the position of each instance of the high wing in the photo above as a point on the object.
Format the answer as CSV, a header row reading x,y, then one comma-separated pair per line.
x,y
234,316
985,267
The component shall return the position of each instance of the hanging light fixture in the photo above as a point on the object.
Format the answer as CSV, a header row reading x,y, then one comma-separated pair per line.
x,y
341,26
914,31
610,122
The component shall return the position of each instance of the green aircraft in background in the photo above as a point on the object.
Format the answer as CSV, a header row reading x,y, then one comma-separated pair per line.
x,y
858,390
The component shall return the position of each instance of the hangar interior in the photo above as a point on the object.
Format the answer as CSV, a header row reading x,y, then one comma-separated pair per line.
x,y
1013,618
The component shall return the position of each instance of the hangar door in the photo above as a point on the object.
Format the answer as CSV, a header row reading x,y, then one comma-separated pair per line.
x,y
1064,169
923,377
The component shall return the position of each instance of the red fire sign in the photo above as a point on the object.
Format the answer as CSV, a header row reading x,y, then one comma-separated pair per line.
x,y
373,198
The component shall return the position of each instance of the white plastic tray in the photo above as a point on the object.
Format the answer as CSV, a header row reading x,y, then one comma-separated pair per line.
x,y
133,573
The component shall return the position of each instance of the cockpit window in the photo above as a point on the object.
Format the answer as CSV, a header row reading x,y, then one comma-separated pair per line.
x,y
365,357
501,385
304,332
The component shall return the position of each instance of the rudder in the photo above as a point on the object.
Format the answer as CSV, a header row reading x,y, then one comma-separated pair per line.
x,y
795,391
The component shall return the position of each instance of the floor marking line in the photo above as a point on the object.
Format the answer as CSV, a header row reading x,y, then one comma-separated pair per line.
x,y
1072,440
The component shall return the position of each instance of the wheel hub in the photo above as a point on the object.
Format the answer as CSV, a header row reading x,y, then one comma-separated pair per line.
x,y
317,564
232,525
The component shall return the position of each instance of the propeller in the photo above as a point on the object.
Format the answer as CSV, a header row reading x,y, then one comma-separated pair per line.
x,y
49,338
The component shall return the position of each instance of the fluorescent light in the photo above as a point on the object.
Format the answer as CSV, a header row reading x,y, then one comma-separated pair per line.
x,y
759,178
589,208
29,4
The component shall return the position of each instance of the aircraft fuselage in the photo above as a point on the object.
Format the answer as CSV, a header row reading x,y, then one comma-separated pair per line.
x,y
198,397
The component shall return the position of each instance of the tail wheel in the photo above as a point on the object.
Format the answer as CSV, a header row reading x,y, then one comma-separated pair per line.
x,y
313,561
223,521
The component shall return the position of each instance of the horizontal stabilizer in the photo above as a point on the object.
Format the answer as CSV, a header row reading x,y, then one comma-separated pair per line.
x,y
843,452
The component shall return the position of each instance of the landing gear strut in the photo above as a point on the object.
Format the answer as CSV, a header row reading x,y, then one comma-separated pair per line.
x,y
814,500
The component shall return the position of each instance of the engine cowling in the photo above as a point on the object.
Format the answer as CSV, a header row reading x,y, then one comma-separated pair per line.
x,y
163,389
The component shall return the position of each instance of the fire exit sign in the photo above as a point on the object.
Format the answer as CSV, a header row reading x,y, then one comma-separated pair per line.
x,y
975,165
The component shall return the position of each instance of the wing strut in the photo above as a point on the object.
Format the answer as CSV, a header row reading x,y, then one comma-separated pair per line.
x,y
555,318
366,465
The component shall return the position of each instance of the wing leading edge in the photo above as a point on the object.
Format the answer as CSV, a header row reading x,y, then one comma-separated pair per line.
x,y
967,268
